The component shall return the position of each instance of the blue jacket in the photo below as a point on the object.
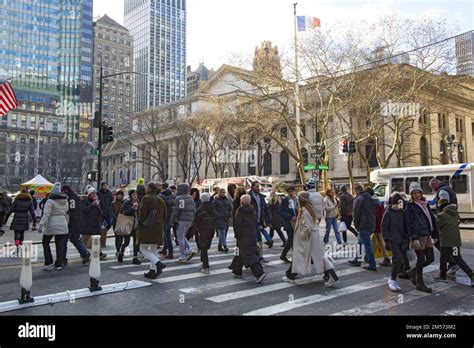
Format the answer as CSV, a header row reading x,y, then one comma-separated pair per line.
x,y
266,216
364,212
285,211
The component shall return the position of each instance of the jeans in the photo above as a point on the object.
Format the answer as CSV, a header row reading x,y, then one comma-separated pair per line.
x,y
397,260
107,221
59,242
150,251
223,236
75,239
184,246
364,239
446,254
263,232
289,242
168,240
332,222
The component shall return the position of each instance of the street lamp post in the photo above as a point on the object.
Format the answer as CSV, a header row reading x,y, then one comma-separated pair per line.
x,y
98,121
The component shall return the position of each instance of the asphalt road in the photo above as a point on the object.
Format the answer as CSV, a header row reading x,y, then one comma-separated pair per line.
x,y
182,290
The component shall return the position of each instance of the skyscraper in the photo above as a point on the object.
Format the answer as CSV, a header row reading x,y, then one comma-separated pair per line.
x,y
159,31
46,52
465,54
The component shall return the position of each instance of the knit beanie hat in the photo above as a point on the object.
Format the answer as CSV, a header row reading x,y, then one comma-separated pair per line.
x,y
414,186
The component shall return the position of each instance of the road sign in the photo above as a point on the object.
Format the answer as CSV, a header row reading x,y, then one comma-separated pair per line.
x,y
94,152
314,155
92,176
323,167
309,167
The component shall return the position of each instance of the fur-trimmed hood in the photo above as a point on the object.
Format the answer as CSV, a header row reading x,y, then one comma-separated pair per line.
x,y
23,197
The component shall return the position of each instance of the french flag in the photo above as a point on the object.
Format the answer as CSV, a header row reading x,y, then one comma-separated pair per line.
x,y
307,23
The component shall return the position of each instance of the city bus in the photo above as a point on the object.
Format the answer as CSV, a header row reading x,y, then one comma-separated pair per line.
x,y
459,176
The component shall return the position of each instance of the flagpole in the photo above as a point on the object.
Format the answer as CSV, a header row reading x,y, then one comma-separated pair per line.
x,y
297,90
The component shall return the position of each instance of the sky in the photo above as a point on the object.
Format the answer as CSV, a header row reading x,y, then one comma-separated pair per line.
x,y
221,29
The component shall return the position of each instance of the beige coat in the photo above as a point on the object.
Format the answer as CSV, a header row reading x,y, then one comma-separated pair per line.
x,y
304,250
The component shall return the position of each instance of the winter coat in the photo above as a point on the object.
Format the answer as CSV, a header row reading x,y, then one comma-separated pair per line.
x,y
394,227
127,210
306,250
92,218
55,218
235,206
23,209
287,213
140,192
223,210
105,198
245,232
151,234
447,222
347,204
170,200
3,204
317,201
379,211
364,212
185,207
117,207
330,208
418,224
265,215
205,225
75,214
276,218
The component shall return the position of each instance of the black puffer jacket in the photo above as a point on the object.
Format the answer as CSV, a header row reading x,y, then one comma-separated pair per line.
x,y
170,200
205,225
223,210
418,224
92,218
394,228
75,213
105,198
245,230
23,210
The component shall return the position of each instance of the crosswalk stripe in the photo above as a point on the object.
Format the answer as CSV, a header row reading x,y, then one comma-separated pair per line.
x,y
194,265
329,295
394,301
279,286
200,275
464,310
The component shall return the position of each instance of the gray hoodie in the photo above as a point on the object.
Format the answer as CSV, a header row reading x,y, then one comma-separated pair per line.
x,y
185,208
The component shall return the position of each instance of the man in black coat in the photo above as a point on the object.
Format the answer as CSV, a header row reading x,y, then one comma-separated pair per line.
x,y
170,200
92,216
75,223
263,215
106,198
247,252
205,227
223,209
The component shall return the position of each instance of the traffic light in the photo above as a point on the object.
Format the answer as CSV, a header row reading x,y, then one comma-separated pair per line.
x,y
92,176
107,134
345,147
352,146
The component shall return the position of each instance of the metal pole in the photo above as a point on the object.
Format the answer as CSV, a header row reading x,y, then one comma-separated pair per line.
x,y
297,86
99,160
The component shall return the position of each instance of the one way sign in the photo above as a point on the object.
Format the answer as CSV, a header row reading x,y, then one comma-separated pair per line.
x,y
92,176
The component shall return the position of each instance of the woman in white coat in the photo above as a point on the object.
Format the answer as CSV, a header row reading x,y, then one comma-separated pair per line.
x,y
54,223
307,246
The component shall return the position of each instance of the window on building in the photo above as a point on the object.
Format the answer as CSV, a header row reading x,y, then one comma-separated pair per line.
x,y
267,164
459,125
443,150
442,121
424,152
371,153
284,163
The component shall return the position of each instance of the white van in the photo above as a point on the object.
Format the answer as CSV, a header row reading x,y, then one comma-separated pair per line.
x,y
459,176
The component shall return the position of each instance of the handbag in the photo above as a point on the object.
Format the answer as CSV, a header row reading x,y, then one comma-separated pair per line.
x,y
342,227
124,225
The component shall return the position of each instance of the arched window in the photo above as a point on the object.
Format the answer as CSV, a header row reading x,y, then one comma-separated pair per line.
x,y
443,151
267,164
252,167
284,163
423,152
371,154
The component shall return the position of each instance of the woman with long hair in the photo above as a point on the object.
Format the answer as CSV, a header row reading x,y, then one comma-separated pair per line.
x,y
308,249
240,191
274,202
331,208
131,207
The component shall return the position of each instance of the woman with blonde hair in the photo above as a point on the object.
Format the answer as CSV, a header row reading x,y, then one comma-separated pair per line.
x,y
274,202
307,246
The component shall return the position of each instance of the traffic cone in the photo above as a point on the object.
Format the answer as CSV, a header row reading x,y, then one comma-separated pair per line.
x,y
94,268
26,276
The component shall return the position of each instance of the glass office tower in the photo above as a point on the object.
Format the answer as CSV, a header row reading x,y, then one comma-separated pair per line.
x,y
159,31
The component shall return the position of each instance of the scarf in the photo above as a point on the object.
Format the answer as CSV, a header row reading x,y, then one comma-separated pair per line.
x,y
424,206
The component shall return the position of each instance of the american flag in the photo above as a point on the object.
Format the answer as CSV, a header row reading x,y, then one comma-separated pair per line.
x,y
8,99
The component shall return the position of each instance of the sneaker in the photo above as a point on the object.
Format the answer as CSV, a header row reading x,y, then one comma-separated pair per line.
x,y
136,261
440,280
238,276
220,248
397,284
355,263
270,244
86,258
288,280
330,283
453,269
151,275
102,257
385,263
368,268
58,268
192,253
261,278
48,267
205,271
159,268
392,285
424,288
182,261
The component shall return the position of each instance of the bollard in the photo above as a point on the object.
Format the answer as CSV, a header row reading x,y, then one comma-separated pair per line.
x,y
26,276
94,268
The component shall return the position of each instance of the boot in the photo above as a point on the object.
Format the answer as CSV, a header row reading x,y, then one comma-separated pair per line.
x,y
120,257
136,261
420,284
386,262
160,266
169,256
